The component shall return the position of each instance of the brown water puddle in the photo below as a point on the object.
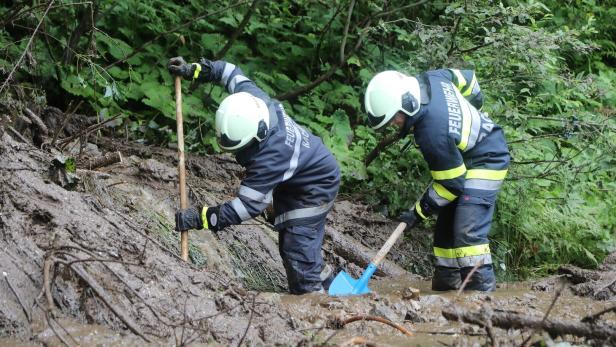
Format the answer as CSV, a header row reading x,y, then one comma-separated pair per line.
x,y
423,316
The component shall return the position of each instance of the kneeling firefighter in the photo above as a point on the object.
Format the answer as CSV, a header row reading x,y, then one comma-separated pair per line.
x,y
285,165
468,159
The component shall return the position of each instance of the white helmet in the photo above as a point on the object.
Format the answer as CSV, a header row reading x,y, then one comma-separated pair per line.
x,y
388,93
240,118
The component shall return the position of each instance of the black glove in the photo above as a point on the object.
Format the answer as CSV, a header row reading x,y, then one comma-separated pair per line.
x,y
188,218
178,67
409,217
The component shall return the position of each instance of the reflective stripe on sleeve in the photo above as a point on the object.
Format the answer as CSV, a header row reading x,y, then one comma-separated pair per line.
x,y
478,183
235,80
226,73
303,213
470,86
449,174
475,129
459,78
486,174
255,195
419,211
240,209
443,192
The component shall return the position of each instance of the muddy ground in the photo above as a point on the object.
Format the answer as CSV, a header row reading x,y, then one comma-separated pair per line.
x,y
91,259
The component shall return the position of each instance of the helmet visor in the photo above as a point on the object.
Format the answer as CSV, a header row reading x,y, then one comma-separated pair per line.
x,y
374,120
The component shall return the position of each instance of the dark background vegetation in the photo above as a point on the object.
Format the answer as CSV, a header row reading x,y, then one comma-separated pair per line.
x,y
546,68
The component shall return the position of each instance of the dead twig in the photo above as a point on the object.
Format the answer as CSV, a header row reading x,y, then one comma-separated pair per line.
x,y
23,306
402,329
547,313
37,120
593,317
252,312
60,337
19,136
470,274
62,143
67,116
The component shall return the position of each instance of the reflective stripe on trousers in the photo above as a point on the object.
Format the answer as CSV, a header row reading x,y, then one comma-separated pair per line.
x,y
303,213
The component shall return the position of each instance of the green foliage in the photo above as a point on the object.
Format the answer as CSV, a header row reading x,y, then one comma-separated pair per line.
x,y
547,71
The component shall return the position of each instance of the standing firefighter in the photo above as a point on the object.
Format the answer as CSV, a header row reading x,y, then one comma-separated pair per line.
x,y
468,160
285,164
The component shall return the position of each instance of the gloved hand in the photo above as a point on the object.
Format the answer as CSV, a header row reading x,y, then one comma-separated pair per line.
x,y
410,218
178,67
188,218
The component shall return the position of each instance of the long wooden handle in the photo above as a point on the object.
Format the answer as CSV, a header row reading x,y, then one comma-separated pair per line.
x,y
181,165
378,258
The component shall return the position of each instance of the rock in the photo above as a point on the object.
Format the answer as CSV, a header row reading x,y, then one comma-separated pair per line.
x,y
410,293
414,316
384,311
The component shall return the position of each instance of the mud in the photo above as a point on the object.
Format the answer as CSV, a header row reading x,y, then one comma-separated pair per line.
x,y
115,277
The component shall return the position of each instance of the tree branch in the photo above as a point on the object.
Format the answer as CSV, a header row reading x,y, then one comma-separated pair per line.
x,y
346,31
8,78
145,44
366,23
237,31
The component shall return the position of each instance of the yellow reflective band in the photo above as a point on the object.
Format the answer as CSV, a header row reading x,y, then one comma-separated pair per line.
x,y
449,174
486,174
197,70
466,129
443,192
461,80
419,212
204,217
461,252
469,88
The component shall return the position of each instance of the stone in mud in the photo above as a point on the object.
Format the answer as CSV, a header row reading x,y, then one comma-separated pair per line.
x,y
385,311
410,293
153,169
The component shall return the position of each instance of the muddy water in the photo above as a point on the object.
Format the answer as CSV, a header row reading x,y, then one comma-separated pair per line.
x,y
422,315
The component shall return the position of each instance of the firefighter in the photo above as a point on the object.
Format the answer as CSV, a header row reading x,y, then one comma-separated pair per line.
x,y
285,165
468,158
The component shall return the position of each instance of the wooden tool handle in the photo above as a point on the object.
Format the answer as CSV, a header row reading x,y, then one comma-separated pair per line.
x,y
378,258
181,165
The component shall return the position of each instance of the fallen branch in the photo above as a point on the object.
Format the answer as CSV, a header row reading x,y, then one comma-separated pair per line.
x,y
341,324
100,292
37,120
237,31
507,320
105,160
361,255
595,316
252,312
23,306
62,143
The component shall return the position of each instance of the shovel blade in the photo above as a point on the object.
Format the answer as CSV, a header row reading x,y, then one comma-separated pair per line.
x,y
344,284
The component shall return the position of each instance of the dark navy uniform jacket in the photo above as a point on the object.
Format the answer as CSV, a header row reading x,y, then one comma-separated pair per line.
x,y
291,166
463,147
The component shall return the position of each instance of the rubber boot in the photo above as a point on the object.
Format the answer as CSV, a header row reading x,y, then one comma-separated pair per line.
x,y
327,276
482,280
446,278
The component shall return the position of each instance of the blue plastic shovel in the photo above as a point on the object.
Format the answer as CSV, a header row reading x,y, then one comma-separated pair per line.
x,y
344,284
